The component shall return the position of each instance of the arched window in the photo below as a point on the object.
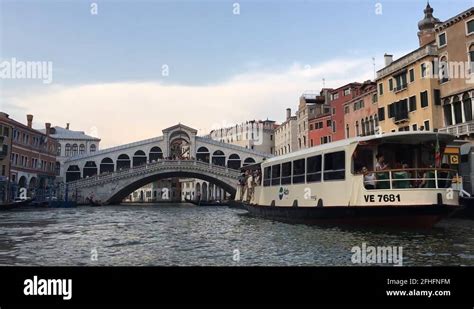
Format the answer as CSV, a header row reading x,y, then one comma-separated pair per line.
x,y
357,128
155,154
58,150
347,130
218,158
362,123
106,165
74,150
467,102
202,154
67,150
448,116
234,161
90,169
73,173
92,148
123,162
139,158
457,110
248,161
82,149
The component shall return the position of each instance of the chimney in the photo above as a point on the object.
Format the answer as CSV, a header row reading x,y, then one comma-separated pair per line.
x,y
48,127
388,59
67,126
288,113
29,119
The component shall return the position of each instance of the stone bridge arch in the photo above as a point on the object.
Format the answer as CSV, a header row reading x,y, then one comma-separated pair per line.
x,y
114,187
127,189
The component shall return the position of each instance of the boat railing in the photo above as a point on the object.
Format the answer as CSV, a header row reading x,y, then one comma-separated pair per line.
x,y
435,178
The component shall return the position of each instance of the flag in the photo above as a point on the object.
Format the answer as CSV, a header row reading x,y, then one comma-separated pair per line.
x,y
437,153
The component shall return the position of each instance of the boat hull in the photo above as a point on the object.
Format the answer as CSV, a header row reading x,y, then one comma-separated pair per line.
x,y
394,216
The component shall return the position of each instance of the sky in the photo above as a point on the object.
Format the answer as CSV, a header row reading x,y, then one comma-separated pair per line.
x,y
125,70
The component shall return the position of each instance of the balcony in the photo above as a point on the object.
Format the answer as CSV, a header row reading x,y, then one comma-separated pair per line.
x,y
465,128
400,88
401,117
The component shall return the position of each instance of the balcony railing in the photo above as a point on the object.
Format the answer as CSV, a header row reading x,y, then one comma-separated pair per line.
x,y
400,88
459,129
400,117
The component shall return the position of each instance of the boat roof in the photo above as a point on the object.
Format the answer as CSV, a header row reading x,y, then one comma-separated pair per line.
x,y
405,137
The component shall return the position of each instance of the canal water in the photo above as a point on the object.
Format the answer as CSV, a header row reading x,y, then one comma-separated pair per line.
x,y
183,234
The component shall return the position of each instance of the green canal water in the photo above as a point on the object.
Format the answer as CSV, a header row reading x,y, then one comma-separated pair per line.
x,y
183,234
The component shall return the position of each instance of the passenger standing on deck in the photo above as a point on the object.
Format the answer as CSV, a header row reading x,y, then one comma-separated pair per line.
x,y
242,185
369,179
380,165
250,186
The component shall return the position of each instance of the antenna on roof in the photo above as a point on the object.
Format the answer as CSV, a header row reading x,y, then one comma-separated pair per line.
x,y
373,63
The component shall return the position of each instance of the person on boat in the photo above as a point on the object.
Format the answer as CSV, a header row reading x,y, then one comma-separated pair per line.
x,y
258,178
369,179
380,165
242,182
428,180
445,176
250,187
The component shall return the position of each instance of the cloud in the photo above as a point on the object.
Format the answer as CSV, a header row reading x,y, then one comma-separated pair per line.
x,y
129,111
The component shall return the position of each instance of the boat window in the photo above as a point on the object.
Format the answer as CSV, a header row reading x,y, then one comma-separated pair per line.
x,y
334,165
276,175
298,171
286,173
313,173
267,176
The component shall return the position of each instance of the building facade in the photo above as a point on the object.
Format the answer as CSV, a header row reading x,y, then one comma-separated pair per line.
x,y
257,135
328,125
286,135
311,105
165,190
360,113
409,95
32,157
71,143
5,154
455,44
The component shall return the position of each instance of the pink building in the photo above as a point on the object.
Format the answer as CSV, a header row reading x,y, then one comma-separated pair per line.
x,y
360,113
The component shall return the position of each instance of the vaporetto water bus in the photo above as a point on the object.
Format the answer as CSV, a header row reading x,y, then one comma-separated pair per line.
x,y
395,179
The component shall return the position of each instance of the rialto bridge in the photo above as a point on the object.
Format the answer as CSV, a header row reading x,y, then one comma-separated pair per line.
x,y
111,174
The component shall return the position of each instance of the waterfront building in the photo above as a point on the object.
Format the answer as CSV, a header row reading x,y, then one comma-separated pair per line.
x,y
257,135
71,143
360,113
312,104
5,153
32,157
328,125
195,189
409,97
286,139
165,190
455,45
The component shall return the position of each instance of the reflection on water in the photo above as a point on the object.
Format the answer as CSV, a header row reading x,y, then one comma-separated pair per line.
x,y
188,235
